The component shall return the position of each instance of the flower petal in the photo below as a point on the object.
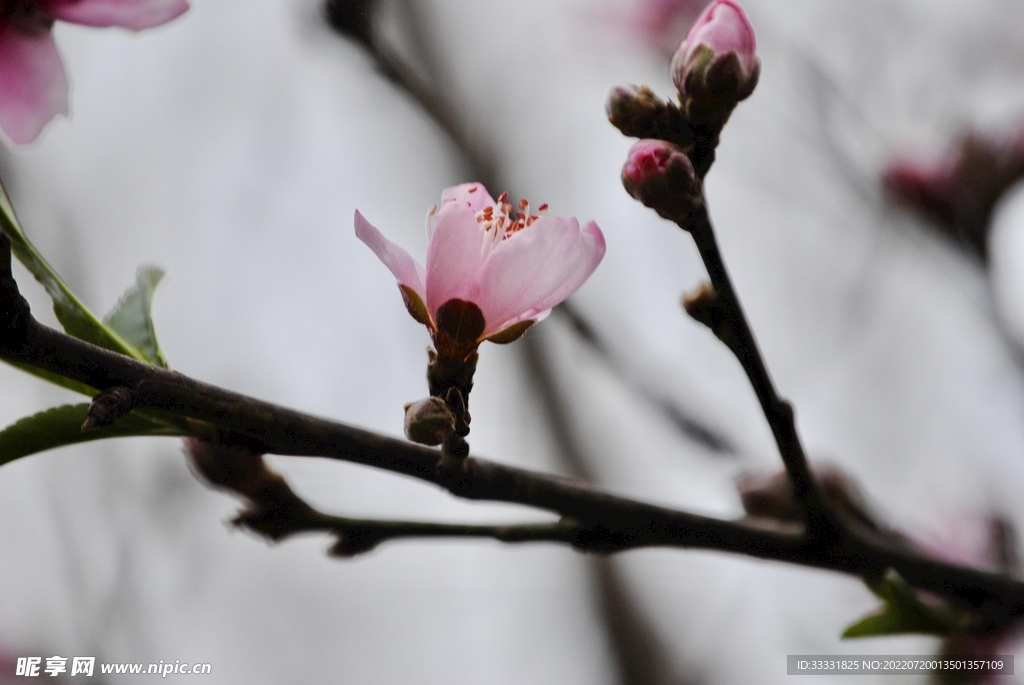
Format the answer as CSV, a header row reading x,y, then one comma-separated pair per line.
x,y
537,268
473,193
33,87
404,267
130,14
455,257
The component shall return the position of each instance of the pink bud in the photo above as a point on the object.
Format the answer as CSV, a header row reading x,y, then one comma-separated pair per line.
x,y
718,58
660,175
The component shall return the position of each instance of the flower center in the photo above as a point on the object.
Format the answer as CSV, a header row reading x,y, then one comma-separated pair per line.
x,y
503,224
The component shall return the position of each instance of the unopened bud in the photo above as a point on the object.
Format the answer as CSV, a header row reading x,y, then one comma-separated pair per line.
x,y
704,307
716,65
660,175
232,467
772,496
639,113
429,421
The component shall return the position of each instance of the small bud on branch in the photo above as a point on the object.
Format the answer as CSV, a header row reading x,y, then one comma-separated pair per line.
x,y
704,307
659,175
639,113
109,406
429,422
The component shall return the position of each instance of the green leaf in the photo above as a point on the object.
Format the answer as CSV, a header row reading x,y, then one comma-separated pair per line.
x,y
901,612
132,317
74,316
56,379
63,426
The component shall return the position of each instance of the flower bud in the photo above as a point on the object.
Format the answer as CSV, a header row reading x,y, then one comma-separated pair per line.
x,y
639,113
429,421
704,307
659,174
771,496
716,65
231,467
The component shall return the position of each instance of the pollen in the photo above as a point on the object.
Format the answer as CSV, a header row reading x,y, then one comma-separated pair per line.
x,y
501,221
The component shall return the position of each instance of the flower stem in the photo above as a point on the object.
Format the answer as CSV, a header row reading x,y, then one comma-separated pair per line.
x,y
451,379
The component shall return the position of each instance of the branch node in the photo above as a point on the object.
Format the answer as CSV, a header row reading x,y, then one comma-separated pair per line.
x,y
704,306
354,541
108,407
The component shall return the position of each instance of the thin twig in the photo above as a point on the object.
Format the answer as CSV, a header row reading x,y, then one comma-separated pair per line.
x,y
777,411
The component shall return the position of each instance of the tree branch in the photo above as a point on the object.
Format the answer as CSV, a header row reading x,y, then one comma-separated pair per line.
x,y
602,522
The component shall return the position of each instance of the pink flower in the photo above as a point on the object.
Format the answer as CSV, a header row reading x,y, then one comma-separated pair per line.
x,y
490,273
721,30
33,87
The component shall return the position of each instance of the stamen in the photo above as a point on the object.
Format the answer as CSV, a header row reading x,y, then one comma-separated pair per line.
x,y
502,198
543,207
428,220
523,204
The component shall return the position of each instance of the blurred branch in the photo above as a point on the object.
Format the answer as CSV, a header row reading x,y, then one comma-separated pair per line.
x,y
602,522
693,428
359,19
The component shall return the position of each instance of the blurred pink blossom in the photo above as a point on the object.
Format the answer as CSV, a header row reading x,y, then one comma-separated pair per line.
x,y
491,272
960,187
982,541
33,86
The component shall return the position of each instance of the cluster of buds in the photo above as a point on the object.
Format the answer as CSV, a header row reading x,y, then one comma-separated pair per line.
x,y
715,67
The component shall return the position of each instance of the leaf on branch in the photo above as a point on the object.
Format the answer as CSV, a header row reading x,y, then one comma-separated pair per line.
x,y
62,425
56,379
132,316
73,315
902,612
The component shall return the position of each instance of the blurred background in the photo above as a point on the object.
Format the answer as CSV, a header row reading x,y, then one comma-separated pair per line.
x,y
232,146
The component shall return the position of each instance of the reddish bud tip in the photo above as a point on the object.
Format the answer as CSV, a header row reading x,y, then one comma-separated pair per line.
x,y
660,175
